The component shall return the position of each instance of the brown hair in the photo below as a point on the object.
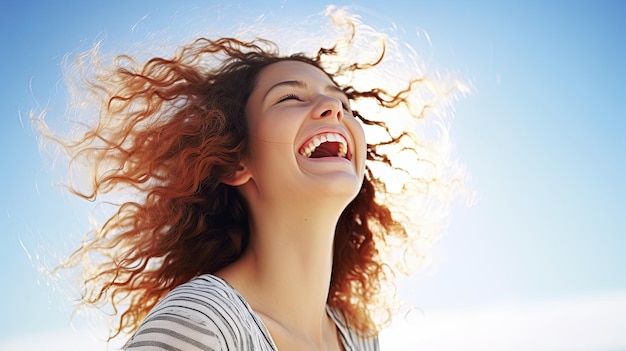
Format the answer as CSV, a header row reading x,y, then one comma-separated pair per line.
x,y
170,130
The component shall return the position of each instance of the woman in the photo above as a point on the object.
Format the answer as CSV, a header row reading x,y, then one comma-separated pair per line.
x,y
302,161
256,223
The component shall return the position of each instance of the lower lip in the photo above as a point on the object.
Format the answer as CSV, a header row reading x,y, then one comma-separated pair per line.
x,y
328,159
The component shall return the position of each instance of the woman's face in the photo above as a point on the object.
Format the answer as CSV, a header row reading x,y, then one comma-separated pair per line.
x,y
303,136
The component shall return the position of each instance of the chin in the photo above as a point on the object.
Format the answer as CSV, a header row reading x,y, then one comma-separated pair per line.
x,y
338,185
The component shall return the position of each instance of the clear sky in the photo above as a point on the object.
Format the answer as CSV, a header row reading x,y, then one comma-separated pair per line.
x,y
538,263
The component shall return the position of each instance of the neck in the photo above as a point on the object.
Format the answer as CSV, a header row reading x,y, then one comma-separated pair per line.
x,y
286,270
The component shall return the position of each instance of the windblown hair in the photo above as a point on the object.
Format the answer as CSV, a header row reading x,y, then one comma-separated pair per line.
x,y
169,130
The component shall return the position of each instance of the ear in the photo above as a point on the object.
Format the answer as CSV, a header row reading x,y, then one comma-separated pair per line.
x,y
240,177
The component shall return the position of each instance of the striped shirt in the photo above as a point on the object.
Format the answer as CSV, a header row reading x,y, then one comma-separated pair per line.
x,y
207,313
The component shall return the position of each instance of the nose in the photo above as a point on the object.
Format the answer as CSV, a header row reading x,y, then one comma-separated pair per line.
x,y
328,107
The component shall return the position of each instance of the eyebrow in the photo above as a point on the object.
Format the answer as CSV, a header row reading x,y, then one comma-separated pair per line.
x,y
303,85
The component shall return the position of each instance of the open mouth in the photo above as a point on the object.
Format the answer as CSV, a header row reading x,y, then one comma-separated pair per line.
x,y
326,145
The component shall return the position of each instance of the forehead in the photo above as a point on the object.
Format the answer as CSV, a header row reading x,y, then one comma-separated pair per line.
x,y
291,70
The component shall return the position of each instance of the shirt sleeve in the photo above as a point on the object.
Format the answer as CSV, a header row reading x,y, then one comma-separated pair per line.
x,y
174,328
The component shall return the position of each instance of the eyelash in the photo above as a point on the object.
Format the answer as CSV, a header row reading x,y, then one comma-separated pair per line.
x,y
288,97
296,97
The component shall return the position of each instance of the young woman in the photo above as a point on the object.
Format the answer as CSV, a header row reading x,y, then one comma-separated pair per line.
x,y
257,221
299,162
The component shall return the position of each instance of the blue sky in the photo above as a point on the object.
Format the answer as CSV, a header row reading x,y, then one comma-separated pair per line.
x,y
541,136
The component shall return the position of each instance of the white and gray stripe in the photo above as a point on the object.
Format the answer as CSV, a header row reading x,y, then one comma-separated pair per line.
x,y
208,314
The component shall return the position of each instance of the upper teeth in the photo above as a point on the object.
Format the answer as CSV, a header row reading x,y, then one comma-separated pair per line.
x,y
308,149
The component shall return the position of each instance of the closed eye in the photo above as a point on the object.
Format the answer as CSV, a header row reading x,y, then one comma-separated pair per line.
x,y
346,106
289,97
292,96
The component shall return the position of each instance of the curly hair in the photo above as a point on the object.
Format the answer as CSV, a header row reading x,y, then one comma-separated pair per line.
x,y
170,130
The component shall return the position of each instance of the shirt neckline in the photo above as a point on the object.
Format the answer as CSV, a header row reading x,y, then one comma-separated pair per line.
x,y
339,324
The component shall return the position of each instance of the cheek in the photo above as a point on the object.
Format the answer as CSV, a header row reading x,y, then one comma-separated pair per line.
x,y
271,141
359,136
276,128
360,144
